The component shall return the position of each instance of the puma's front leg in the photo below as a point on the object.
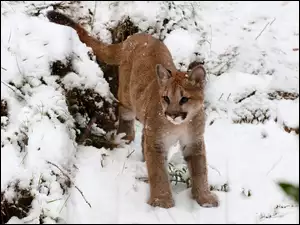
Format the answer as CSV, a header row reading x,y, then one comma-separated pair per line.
x,y
160,190
195,155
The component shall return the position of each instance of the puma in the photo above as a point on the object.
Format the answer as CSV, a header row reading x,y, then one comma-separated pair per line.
x,y
168,102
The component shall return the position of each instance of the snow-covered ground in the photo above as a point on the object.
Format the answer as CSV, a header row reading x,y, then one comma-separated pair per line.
x,y
251,53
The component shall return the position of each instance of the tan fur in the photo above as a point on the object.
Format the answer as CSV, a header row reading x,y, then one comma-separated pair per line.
x,y
147,74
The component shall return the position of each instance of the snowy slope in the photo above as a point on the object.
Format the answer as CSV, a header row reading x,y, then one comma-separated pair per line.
x,y
250,50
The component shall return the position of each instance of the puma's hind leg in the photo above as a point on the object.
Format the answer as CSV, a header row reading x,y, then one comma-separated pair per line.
x,y
126,113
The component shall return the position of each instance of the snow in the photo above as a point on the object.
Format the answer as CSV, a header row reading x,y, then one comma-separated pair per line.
x,y
271,52
11,159
180,54
247,149
288,112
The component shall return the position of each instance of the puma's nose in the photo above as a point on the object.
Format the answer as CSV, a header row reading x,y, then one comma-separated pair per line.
x,y
174,115
183,115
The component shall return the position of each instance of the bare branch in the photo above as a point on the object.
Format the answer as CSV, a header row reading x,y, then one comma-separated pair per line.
x,y
269,23
130,153
71,182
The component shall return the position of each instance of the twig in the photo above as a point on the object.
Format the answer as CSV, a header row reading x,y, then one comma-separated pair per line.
x,y
272,21
65,203
214,168
262,31
274,165
54,200
9,86
265,28
123,166
130,154
228,96
59,169
71,182
9,36
19,67
83,196
220,97
23,158
102,159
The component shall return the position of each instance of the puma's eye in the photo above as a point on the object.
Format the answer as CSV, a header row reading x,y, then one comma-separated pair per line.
x,y
183,100
166,98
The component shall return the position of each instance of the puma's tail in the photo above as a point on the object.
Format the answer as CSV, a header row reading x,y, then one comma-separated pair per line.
x,y
107,53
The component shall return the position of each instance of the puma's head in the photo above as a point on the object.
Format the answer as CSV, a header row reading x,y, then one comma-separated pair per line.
x,y
182,94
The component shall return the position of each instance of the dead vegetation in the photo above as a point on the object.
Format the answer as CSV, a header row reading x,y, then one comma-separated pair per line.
x,y
123,30
19,206
35,10
291,129
104,114
87,104
4,110
100,112
119,33
283,95
255,116
90,105
61,69
4,114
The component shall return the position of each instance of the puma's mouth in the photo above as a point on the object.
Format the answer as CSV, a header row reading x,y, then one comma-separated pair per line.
x,y
176,118
176,121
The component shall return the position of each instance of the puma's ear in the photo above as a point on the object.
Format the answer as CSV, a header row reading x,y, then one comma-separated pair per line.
x,y
197,75
163,74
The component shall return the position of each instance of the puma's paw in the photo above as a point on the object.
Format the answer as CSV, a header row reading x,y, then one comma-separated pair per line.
x,y
163,202
208,200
